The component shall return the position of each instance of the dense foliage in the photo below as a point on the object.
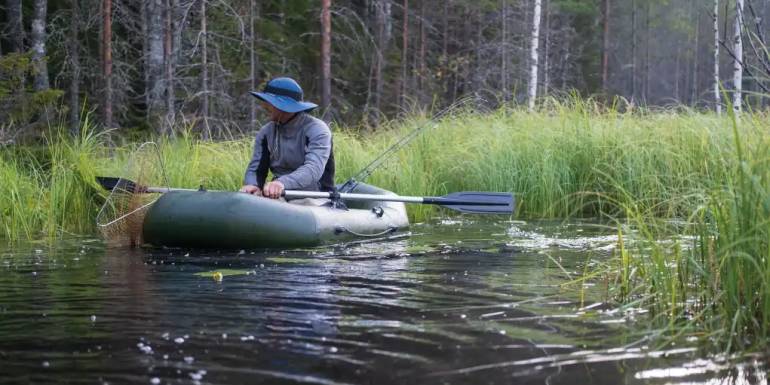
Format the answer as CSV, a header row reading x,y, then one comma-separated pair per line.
x,y
388,57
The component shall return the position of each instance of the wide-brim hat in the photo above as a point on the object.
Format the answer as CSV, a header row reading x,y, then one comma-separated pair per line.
x,y
284,94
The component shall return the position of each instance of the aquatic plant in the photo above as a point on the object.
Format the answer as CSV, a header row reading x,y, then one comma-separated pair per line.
x,y
573,158
704,269
699,178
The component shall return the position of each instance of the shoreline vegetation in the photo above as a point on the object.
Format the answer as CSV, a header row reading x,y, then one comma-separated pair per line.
x,y
699,181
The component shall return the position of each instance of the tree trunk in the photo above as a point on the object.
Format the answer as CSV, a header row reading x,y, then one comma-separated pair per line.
x,y
144,17
15,25
504,48
107,62
478,71
155,63
282,22
633,51
546,47
404,52
38,45
738,60
766,18
178,27
168,59
74,55
605,45
326,67
696,50
646,93
533,56
717,96
206,130
677,76
445,47
423,70
382,8
253,16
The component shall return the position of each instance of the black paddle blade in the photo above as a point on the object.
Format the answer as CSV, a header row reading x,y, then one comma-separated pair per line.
x,y
476,202
123,185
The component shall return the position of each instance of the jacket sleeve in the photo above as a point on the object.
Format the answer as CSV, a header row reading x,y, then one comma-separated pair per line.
x,y
256,171
319,145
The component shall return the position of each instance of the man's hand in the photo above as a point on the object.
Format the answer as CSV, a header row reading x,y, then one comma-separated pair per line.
x,y
251,189
273,189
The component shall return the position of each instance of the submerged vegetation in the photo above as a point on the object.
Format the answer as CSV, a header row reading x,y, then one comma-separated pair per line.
x,y
702,178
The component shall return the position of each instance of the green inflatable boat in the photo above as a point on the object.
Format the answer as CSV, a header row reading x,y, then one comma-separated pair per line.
x,y
232,220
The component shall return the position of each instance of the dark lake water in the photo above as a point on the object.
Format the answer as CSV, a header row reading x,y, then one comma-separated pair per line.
x,y
456,302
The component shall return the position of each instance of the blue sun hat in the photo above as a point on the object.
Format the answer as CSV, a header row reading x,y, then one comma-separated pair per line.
x,y
284,94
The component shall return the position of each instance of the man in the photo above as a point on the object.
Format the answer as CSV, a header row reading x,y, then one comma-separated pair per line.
x,y
294,146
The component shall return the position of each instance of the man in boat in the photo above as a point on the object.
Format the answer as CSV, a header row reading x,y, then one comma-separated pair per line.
x,y
295,146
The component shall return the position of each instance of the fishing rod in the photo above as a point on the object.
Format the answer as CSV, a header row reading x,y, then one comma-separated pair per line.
x,y
361,176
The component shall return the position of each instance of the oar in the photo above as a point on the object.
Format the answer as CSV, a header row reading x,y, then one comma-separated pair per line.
x,y
467,202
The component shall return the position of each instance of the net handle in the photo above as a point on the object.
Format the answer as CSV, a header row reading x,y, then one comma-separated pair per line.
x,y
100,221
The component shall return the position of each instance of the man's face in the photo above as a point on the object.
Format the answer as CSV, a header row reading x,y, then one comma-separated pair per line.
x,y
275,114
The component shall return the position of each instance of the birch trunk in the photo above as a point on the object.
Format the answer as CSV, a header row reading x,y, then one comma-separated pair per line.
x,y
38,45
738,60
533,56
546,47
633,51
326,68
717,96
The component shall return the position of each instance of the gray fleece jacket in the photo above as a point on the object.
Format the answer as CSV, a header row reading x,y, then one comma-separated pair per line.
x,y
298,153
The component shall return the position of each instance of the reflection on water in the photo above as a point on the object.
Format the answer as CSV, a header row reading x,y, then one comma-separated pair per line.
x,y
457,302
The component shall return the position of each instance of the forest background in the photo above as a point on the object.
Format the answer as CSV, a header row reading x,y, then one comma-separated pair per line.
x,y
162,66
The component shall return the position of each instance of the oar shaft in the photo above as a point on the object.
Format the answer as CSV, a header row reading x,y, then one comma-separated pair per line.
x,y
390,198
467,202
163,190
293,194
290,194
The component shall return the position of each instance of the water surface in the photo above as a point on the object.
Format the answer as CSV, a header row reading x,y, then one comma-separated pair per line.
x,y
459,301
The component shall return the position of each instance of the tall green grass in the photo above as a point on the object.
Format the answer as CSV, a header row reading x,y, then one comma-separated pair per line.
x,y
702,178
704,268
571,159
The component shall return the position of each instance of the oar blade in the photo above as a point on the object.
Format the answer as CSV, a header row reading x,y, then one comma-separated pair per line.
x,y
478,202
116,184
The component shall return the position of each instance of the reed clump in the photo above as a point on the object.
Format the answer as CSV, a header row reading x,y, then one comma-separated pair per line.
x,y
704,269
700,182
568,160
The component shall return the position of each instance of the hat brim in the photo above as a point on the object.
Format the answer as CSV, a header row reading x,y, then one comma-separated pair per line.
x,y
284,103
